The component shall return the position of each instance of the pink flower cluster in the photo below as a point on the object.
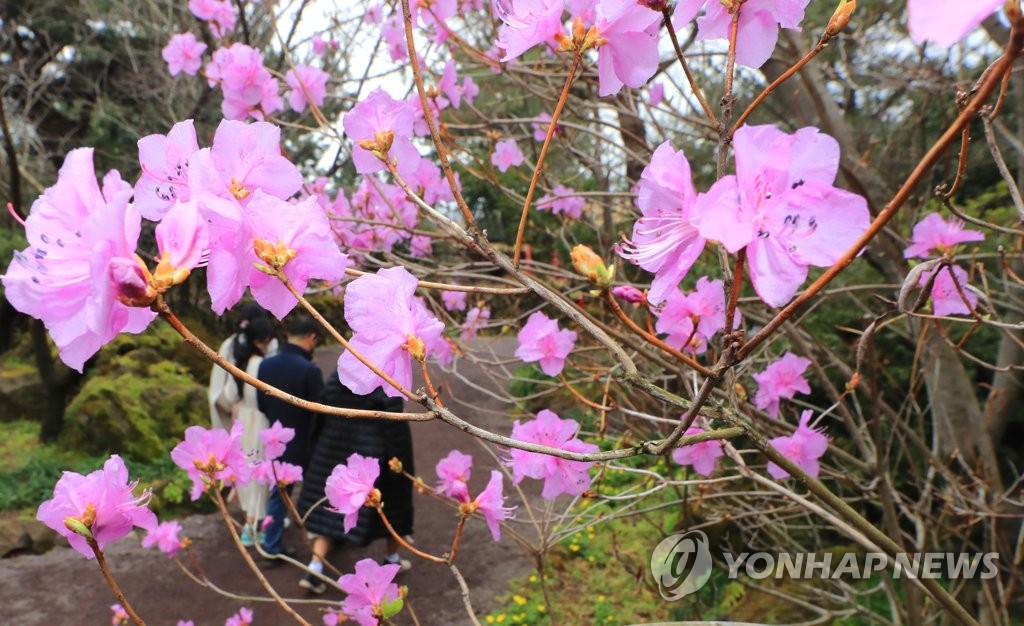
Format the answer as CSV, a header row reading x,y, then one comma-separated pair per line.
x,y
249,89
80,265
783,378
541,341
804,447
368,590
701,456
211,456
389,324
934,234
780,206
689,321
562,200
101,502
165,537
454,471
349,485
559,475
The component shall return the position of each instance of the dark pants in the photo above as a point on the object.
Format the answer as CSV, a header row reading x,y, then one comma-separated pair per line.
x,y
273,534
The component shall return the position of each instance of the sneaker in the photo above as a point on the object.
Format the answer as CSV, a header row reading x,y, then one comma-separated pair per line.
x,y
246,536
313,584
404,565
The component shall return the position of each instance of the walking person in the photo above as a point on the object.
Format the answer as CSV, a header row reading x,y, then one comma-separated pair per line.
x,y
221,404
247,354
337,439
291,370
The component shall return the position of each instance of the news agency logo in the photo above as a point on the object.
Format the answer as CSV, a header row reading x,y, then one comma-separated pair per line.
x,y
681,564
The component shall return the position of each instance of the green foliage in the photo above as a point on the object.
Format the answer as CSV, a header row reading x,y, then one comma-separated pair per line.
x,y
138,403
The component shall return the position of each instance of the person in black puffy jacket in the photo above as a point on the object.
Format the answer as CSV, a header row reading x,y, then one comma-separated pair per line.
x,y
336,439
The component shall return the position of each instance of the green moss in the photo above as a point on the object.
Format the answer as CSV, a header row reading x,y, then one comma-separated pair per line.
x,y
138,405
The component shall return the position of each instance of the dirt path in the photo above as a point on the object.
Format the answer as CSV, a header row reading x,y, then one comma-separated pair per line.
x,y
61,587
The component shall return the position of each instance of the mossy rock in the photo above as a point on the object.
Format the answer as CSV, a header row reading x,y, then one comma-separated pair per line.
x,y
138,406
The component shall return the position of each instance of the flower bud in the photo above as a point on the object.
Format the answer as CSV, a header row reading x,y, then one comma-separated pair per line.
x,y
841,17
395,465
131,281
629,293
592,266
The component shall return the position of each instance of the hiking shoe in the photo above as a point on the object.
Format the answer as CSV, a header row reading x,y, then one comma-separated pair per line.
x,y
313,584
246,536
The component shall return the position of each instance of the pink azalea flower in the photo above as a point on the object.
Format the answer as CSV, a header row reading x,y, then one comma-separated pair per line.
x,y
164,537
215,452
540,340
120,616
242,618
244,158
782,206
690,321
454,300
429,182
386,320
183,53
947,21
629,55
272,473
657,94
449,86
80,261
275,439
183,622
562,200
783,378
369,589
454,471
526,23
308,84
506,155
303,228
393,34
665,241
249,89
935,233
218,13
102,501
164,160
701,456
629,293
475,319
349,485
469,89
374,118
946,299
758,28
182,238
804,447
540,126
491,504
421,245
559,475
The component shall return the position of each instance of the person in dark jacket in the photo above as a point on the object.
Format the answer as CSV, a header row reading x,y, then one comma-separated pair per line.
x,y
291,370
337,439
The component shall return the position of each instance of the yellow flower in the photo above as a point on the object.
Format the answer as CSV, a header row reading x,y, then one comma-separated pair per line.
x,y
533,578
541,608
591,558
489,619
518,599
500,618
575,547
